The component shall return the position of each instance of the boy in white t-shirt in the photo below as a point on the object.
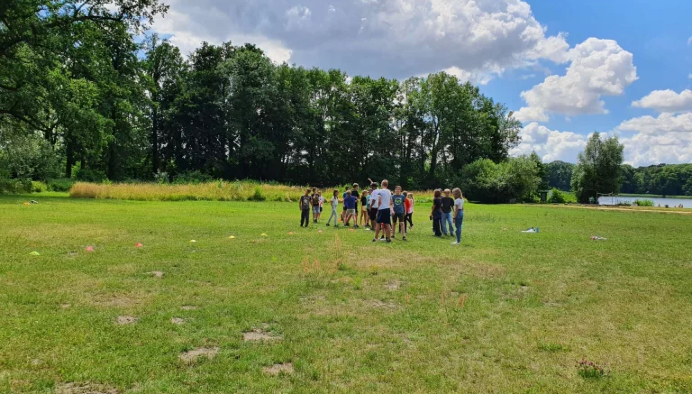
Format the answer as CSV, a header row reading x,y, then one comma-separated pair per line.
x,y
458,213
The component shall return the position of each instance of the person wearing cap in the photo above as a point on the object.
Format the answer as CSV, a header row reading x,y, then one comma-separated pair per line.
x,y
447,204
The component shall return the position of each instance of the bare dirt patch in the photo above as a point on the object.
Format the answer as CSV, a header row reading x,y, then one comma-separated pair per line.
x,y
393,285
193,355
65,306
258,335
125,320
156,274
178,320
74,388
189,308
381,304
278,369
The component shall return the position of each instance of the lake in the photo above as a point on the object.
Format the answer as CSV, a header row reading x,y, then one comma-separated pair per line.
x,y
671,202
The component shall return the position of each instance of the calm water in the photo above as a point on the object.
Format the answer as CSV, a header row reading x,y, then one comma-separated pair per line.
x,y
671,202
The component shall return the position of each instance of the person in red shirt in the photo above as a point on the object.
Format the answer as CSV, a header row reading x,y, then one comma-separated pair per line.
x,y
407,207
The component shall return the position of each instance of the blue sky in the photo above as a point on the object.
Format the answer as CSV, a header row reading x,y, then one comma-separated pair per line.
x,y
567,67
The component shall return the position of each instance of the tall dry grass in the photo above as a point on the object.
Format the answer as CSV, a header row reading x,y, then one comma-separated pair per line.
x,y
212,191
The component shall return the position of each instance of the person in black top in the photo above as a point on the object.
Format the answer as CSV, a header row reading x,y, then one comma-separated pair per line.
x,y
447,204
364,216
436,214
354,193
304,204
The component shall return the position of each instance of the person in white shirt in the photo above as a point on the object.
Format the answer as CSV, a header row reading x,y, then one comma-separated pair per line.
x,y
384,211
458,213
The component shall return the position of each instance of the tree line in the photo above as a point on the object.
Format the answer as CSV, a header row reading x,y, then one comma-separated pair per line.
x,y
84,98
662,179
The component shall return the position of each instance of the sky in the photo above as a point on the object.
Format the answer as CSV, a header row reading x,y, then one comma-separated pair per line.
x,y
567,68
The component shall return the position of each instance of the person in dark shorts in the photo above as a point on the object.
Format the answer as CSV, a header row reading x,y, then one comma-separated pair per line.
x,y
363,214
356,194
399,209
304,204
384,211
436,213
343,213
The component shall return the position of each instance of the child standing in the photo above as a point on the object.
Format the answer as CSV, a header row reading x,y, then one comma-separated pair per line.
x,y
343,214
350,204
304,204
447,204
409,210
458,213
399,208
315,205
364,201
335,203
436,214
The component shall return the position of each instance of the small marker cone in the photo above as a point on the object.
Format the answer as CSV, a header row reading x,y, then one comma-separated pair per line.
x,y
138,245
89,249
351,229
319,232
291,233
35,253
231,237
26,204
264,234
193,241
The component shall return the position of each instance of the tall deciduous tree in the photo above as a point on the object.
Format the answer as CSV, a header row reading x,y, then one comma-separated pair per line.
x,y
598,170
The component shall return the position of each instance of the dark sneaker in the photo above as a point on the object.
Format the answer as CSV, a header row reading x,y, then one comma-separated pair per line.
x,y
389,241
328,225
403,239
374,240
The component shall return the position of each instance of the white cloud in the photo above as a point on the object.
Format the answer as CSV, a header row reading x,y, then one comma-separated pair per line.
x,y
531,114
644,149
664,123
647,146
666,101
478,39
550,145
598,68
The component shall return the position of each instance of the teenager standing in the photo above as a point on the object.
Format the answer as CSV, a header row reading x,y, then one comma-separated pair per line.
x,y
304,204
436,214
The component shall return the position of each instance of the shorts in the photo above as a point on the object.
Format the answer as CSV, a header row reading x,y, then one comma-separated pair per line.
x,y
350,212
398,217
384,216
316,209
373,214
344,208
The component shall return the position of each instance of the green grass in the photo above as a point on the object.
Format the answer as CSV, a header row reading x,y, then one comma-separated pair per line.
x,y
506,313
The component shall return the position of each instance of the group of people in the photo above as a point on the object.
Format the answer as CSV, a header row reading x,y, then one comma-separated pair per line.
x,y
382,211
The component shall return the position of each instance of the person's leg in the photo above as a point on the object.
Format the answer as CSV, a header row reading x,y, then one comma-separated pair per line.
x,y
305,217
451,224
444,224
437,223
459,222
393,231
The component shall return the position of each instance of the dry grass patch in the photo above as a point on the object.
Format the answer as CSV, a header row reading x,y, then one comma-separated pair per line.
x,y
87,388
156,274
259,335
278,369
126,320
178,321
189,308
193,355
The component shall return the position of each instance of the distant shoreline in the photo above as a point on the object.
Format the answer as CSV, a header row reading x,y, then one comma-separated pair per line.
x,y
653,196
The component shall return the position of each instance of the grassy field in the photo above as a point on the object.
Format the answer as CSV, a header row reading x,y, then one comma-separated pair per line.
x,y
505,313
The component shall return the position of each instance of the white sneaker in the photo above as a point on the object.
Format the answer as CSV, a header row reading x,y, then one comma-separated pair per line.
x,y
455,243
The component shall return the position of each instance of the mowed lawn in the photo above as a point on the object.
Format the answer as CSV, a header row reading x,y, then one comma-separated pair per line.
x,y
505,313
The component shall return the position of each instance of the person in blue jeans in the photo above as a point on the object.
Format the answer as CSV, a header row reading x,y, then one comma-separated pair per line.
x,y
447,204
458,213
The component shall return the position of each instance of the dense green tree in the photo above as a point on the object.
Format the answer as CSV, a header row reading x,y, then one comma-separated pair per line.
x,y
559,175
598,170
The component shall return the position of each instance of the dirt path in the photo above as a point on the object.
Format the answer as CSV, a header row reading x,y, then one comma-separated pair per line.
x,y
605,208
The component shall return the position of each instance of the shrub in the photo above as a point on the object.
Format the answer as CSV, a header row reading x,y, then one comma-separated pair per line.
x,y
60,185
258,195
193,177
38,187
589,370
644,203
89,175
15,186
557,197
488,182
